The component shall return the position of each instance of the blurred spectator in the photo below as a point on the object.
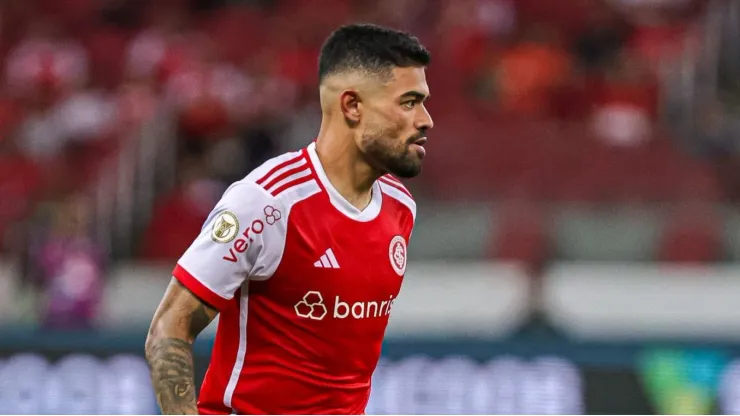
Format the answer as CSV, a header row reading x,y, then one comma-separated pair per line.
x,y
717,138
80,116
524,78
661,27
306,119
625,102
692,235
137,102
179,215
400,14
270,92
21,179
160,49
207,93
494,19
262,144
718,132
46,60
603,38
469,29
85,115
70,266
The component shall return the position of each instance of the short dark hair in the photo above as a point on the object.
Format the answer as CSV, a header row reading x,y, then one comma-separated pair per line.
x,y
371,48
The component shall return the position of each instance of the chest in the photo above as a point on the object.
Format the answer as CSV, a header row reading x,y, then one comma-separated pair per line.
x,y
341,259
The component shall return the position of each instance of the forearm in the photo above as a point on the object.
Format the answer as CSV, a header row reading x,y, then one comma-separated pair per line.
x,y
171,364
169,348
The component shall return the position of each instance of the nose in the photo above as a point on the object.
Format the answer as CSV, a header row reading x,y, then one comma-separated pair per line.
x,y
424,119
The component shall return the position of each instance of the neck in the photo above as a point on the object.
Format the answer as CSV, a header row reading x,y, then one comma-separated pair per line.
x,y
345,167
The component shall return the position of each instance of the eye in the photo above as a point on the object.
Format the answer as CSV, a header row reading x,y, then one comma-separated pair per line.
x,y
410,104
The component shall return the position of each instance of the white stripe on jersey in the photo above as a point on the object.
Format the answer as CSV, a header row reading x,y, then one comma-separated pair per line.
x,y
242,351
299,192
287,179
266,167
399,195
390,178
298,163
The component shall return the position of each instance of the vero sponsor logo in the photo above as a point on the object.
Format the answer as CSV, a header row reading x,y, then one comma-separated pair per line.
x,y
272,215
242,244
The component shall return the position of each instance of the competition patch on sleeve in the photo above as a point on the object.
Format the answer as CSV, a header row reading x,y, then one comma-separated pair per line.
x,y
225,227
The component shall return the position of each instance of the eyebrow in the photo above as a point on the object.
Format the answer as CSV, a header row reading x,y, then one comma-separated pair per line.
x,y
415,94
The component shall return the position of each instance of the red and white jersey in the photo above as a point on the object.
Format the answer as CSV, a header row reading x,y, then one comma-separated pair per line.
x,y
305,283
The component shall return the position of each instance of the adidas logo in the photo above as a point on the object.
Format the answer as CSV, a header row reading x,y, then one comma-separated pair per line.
x,y
327,261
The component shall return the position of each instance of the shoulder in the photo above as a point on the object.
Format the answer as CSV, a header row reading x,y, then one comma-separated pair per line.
x,y
275,186
244,235
393,188
279,182
286,179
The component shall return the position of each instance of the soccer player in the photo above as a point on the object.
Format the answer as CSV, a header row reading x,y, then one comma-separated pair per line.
x,y
304,257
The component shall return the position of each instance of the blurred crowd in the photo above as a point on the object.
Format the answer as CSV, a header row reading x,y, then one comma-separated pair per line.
x,y
543,100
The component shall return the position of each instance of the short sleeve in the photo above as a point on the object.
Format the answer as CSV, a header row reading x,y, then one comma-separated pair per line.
x,y
241,239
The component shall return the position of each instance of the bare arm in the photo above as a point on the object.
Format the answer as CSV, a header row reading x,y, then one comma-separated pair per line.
x,y
181,316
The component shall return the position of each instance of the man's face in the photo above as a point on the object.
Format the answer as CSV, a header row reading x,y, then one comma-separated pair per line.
x,y
394,123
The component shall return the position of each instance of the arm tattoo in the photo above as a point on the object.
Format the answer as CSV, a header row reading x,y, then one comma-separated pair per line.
x,y
171,362
169,351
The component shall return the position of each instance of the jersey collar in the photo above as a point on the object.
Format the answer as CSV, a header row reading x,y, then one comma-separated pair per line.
x,y
338,201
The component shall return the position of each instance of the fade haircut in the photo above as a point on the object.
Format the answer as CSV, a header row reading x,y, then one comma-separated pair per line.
x,y
371,49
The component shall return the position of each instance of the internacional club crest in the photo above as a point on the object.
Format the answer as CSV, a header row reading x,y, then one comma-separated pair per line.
x,y
397,254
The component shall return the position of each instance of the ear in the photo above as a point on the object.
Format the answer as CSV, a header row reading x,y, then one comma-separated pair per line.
x,y
349,102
